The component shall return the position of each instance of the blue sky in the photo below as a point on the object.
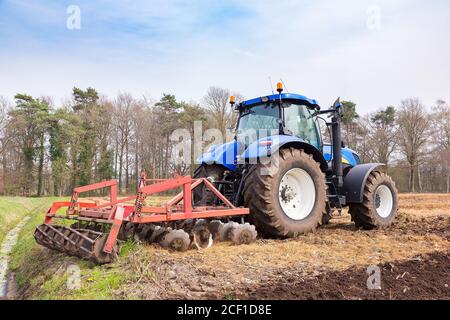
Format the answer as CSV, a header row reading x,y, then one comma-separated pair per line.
x,y
322,49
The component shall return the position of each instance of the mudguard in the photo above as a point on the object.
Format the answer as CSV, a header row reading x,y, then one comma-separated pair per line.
x,y
224,154
355,180
267,146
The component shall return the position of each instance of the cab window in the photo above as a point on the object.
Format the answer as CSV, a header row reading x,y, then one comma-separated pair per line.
x,y
300,122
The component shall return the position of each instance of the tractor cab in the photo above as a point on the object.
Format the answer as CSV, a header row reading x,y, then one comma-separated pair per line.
x,y
268,123
285,114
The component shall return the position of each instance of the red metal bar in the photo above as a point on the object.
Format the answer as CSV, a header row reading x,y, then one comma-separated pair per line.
x,y
114,232
165,185
217,193
61,204
95,186
113,192
187,199
151,209
155,180
117,201
179,196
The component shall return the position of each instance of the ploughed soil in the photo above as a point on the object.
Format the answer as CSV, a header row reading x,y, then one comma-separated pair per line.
x,y
424,277
413,256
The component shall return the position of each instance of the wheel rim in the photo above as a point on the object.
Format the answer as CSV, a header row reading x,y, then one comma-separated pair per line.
x,y
384,201
297,194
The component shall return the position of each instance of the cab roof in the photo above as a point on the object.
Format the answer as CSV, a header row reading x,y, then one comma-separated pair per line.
x,y
285,97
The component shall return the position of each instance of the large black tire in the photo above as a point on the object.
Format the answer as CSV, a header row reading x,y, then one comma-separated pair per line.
x,y
365,215
213,171
261,195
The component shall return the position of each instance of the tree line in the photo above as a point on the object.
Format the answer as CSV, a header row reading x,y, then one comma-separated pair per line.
x,y
411,140
48,150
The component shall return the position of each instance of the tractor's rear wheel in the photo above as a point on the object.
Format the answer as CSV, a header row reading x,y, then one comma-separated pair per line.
x,y
380,203
287,196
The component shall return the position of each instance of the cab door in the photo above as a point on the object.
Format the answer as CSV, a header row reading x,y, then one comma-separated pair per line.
x,y
300,122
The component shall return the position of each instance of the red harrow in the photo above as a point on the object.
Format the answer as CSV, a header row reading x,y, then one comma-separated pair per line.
x,y
177,225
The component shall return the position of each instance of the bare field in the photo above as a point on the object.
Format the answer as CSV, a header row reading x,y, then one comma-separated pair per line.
x,y
413,254
422,228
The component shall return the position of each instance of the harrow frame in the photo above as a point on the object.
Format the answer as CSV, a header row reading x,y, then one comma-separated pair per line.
x,y
116,211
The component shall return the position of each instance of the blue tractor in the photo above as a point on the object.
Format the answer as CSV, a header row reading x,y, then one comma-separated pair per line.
x,y
279,167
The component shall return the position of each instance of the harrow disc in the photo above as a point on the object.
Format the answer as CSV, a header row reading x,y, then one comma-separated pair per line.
x,y
83,243
177,240
243,234
215,227
145,232
201,235
224,233
156,234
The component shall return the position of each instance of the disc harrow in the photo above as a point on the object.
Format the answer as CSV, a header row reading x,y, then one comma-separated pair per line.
x,y
201,236
178,225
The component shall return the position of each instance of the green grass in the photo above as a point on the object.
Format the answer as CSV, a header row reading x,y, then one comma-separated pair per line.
x,y
14,209
96,283
26,241
41,273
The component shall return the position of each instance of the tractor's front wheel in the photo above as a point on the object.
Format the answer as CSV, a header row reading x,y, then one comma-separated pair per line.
x,y
380,202
287,196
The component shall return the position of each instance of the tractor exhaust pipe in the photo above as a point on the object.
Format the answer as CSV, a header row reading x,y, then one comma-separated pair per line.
x,y
337,144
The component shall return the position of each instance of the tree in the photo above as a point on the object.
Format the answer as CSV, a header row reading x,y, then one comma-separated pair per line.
x,y
350,126
190,114
413,122
383,134
43,126
4,141
441,138
30,121
168,115
64,132
89,111
216,102
123,107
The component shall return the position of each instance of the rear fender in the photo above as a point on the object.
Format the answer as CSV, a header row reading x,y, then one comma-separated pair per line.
x,y
355,181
